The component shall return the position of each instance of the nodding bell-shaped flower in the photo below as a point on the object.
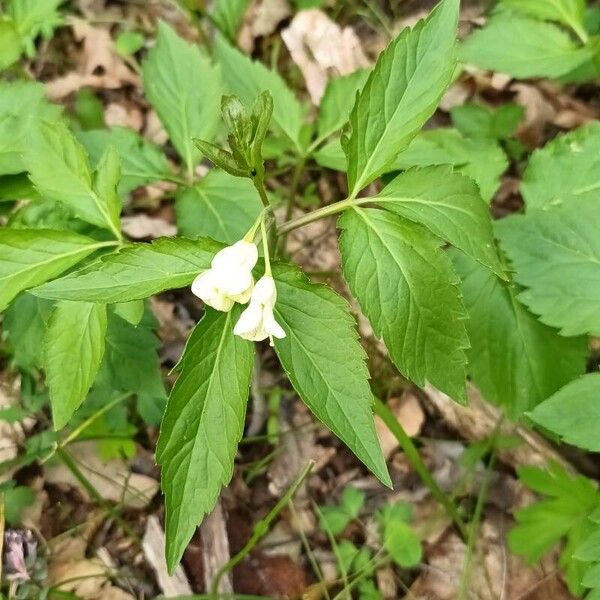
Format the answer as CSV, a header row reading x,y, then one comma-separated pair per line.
x,y
257,322
229,279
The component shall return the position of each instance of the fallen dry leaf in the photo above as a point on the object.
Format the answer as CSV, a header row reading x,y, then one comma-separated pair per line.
x,y
113,479
261,19
321,48
407,410
141,226
99,65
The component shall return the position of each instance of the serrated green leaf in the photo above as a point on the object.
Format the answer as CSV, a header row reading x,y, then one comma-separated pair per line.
x,y
132,311
246,79
22,104
73,350
565,170
202,426
407,288
58,167
514,360
106,180
476,120
564,513
326,364
449,205
591,579
331,155
568,12
573,413
338,100
135,272
478,158
556,257
589,550
34,17
402,92
523,47
219,206
24,324
184,88
29,257
141,161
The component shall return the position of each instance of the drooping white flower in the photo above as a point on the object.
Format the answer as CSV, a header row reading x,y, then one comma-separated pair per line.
x,y
229,278
257,322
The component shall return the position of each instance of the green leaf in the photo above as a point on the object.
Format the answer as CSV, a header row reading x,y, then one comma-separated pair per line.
x,y
141,161
14,500
246,79
218,206
514,360
88,109
58,167
402,544
449,205
476,120
135,272
129,42
10,44
326,364
228,15
331,155
106,180
407,288
73,350
402,92
22,104
589,550
523,47
556,256
565,170
34,17
335,518
563,514
202,426
29,257
591,579
184,88
573,413
131,364
132,311
25,326
338,100
568,12
478,158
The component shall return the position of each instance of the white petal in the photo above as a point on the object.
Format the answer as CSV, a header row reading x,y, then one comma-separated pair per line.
x,y
244,296
204,286
241,255
265,291
234,281
220,302
250,323
272,327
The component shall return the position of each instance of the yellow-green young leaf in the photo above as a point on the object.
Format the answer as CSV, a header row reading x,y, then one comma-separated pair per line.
x,y
185,89
29,257
565,170
58,167
402,92
22,104
202,426
218,206
247,79
338,100
449,205
326,364
73,350
523,47
407,288
481,159
516,361
568,12
135,272
573,413
556,257
228,15
141,161
10,44
34,17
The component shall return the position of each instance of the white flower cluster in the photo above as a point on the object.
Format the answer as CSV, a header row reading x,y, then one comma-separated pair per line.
x,y
229,280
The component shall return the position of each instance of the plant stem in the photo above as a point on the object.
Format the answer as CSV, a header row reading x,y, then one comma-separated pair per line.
x,y
321,213
259,184
261,528
414,458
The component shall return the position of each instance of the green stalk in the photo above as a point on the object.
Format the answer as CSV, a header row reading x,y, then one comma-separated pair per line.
x,y
414,458
260,529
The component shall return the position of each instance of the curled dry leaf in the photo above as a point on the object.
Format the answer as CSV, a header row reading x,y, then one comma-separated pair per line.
x,y
322,48
99,65
261,19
